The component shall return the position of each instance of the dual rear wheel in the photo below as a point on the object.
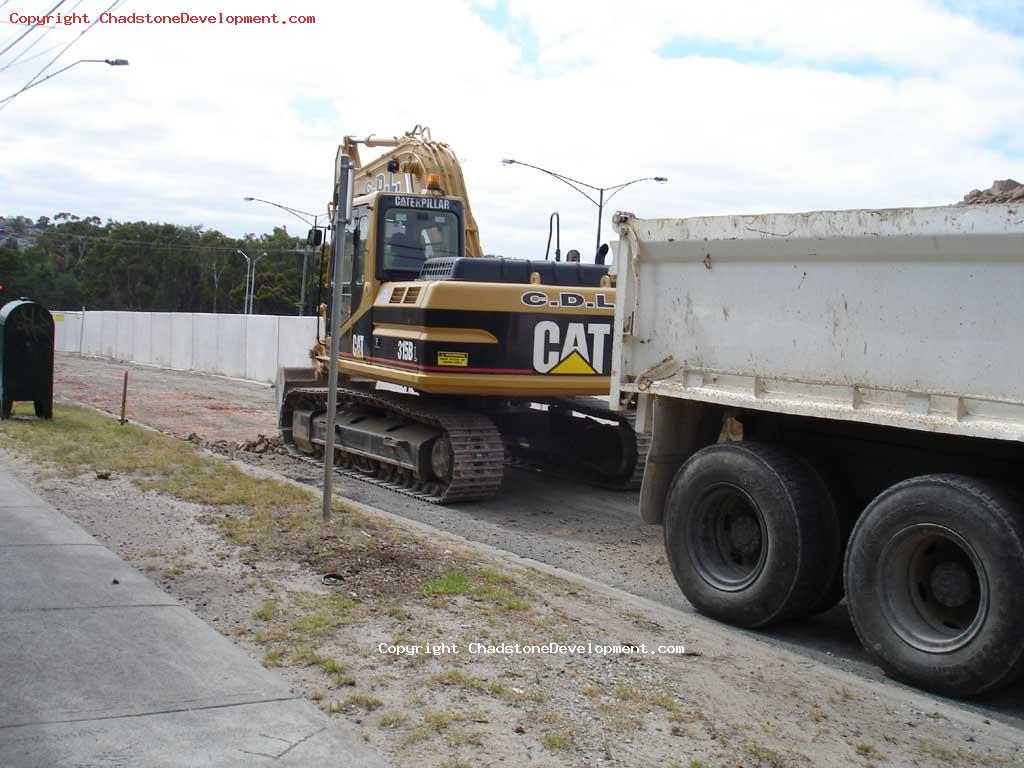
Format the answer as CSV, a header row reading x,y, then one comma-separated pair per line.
x,y
753,535
935,582
933,569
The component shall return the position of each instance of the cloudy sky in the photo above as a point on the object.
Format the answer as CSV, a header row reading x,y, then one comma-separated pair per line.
x,y
775,105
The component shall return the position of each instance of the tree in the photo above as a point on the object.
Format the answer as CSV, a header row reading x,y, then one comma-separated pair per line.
x,y
72,261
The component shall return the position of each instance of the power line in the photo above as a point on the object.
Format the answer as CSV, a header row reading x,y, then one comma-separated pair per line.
x,y
53,47
35,42
29,30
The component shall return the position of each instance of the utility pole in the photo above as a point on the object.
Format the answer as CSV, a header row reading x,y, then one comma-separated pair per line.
x,y
342,216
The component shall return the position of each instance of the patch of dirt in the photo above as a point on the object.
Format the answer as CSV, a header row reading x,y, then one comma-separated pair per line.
x,y
1001,191
175,402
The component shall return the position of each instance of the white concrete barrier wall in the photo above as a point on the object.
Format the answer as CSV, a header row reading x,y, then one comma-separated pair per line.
x,y
261,346
230,340
160,339
295,337
124,333
182,356
241,346
67,328
93,334
204,344
142,337
108,335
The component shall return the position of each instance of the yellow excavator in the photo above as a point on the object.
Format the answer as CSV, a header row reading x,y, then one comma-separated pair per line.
x,y
452,362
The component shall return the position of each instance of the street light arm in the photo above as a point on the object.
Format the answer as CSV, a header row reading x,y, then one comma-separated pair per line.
x,y
111,62
568,181
619,187
293,211
553,173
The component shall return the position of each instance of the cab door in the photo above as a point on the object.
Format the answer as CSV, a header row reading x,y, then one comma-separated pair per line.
x,y
353,281
353,264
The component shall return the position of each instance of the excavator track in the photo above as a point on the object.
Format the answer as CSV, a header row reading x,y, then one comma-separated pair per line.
x,y
566,464
477,450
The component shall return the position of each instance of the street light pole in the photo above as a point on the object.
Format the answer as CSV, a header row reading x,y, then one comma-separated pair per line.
x,y
245,292
305,256
578,186
252,282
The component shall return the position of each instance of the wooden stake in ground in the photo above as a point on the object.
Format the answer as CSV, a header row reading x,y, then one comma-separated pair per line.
x,y
124,397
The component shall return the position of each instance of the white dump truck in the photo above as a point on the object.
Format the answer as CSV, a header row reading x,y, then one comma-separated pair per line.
x,y
836,403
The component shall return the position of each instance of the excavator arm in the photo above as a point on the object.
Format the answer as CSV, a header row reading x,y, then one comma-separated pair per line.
x,y
414,156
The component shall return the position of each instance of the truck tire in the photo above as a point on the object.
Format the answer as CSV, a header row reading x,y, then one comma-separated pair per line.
x,y
846,515
750,532
934,571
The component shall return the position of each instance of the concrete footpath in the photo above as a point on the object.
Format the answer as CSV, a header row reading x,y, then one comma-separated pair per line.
x,y
99,667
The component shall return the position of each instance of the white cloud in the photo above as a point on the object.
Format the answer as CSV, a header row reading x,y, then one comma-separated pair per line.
x,y
206,115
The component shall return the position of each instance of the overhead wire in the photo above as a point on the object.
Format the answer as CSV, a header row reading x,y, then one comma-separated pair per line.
x,y
23,62
35,79
29,31
35,42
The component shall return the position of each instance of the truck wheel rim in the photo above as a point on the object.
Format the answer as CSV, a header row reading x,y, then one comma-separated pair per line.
x,y
934,590
726,538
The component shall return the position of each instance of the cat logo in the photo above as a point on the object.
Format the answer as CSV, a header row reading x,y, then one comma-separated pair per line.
x,y
576,348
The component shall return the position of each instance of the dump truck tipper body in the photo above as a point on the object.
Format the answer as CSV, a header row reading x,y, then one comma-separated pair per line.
x,y
830,385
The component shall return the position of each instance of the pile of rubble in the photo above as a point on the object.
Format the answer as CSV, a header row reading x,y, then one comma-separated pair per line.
x,y
260,444
1001,191
263,444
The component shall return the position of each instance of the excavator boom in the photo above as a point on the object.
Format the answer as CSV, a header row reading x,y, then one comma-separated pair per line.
x,y
414,156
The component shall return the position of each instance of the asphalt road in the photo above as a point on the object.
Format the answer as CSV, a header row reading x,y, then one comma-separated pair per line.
x,y
593,532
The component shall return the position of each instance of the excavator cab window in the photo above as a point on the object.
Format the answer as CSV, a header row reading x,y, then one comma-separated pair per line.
x,y
413,236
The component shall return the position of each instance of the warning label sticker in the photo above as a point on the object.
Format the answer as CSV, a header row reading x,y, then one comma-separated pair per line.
x,y
459,359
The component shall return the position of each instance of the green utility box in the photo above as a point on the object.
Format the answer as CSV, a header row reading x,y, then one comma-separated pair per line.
x,y
26,357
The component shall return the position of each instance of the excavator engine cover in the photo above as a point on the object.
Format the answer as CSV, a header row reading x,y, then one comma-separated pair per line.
x,y
492,270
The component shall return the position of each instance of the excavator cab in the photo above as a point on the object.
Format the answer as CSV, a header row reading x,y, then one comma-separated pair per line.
x,y
389,240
